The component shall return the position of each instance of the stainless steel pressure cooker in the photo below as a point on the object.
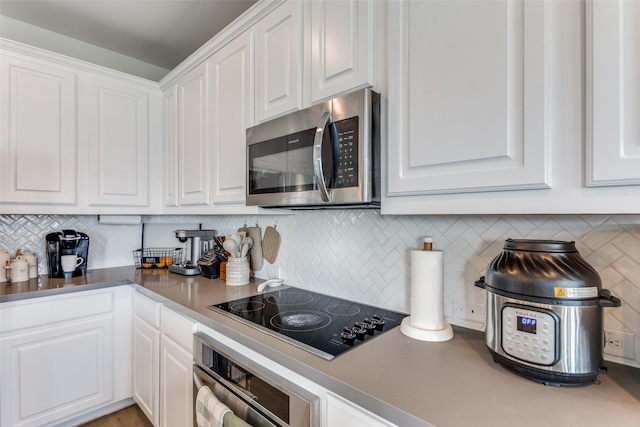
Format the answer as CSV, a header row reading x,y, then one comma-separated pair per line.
x,y
545,312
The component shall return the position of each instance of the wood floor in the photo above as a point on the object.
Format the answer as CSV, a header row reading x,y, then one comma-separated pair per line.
x,y
130,416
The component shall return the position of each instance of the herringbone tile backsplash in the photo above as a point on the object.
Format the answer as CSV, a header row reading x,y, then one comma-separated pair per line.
x,y
362,255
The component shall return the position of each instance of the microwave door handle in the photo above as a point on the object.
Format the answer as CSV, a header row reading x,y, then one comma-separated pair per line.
x,y
317,154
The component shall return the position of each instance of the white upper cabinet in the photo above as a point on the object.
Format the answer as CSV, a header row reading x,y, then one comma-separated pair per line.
x,y
76,138
279,60
467,97
119,145
232,106
342,46
613,93
193,138
38,136
170,149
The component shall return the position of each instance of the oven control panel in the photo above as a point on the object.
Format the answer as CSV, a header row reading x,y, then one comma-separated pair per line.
x,y
530,335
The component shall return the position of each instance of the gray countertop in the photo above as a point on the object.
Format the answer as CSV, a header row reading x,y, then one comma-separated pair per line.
x,y
408,382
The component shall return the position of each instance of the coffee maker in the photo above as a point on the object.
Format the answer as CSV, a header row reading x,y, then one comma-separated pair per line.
x,y
67,242
191,267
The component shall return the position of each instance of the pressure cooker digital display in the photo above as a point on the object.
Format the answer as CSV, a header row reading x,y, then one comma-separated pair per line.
x,y
530,334
526,324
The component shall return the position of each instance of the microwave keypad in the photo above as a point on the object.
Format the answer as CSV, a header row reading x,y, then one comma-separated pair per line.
x,y
347,167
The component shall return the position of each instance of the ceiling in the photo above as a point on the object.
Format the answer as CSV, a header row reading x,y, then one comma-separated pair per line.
x,y
158,32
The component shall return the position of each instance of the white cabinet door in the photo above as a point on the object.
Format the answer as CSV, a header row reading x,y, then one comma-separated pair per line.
x,y
119,144
58,371
146,367
176,369
613,93
279,59
342,46
170,151
38,135
467,97
232,101
71,361
193,139
176,384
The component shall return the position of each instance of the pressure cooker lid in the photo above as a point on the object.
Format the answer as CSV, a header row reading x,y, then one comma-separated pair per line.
x,y
543,268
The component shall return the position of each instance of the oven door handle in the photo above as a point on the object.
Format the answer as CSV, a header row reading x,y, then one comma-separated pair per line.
x,y
237,405
318,167
196,380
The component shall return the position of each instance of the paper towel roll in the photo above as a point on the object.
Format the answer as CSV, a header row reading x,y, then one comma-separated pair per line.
x,y
427,289
426,321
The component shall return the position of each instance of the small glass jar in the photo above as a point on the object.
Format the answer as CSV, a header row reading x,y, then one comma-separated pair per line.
x,y
237,271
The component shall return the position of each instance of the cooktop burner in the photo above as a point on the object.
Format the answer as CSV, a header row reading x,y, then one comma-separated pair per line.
x,y
324,325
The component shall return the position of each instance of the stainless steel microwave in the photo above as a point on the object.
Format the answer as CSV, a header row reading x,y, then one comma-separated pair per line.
x,y
327,155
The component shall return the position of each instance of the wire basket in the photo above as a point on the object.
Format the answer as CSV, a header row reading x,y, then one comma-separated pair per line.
x,y
157,257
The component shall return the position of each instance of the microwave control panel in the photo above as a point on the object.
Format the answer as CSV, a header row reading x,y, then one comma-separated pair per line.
x,y
530,335
347,156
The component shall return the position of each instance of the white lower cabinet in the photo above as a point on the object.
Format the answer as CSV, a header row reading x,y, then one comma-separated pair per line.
x,y
176,384
162,363
176,369
146,356
63,356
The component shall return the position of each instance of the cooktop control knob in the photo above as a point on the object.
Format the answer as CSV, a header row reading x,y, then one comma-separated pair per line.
x,y
360,330
348,336
378,322
370,327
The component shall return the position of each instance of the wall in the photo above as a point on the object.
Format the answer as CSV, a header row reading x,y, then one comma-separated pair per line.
x,y
23,32
362,255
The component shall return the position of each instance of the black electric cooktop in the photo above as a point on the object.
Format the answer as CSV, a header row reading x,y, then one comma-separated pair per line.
x,y
324,325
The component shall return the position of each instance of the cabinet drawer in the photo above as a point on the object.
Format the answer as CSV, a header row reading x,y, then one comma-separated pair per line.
x,y
146,309
177,327
50,310
345,413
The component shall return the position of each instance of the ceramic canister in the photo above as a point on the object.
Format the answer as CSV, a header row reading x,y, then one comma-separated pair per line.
x,y
4,258
237,271
32,260
18,269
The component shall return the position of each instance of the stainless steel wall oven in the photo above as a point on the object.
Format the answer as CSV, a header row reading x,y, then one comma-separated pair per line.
x,y
252,392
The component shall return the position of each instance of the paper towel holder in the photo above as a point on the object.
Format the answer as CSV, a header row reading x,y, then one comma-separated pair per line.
x,y
421,333
440,335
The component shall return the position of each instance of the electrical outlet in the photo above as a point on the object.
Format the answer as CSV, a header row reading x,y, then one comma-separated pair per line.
x,y
470,311
619,343
273,271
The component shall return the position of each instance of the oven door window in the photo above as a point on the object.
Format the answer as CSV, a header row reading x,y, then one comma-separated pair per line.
x,y
282,165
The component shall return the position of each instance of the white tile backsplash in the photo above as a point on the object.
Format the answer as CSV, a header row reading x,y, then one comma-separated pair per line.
x,y
360,254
